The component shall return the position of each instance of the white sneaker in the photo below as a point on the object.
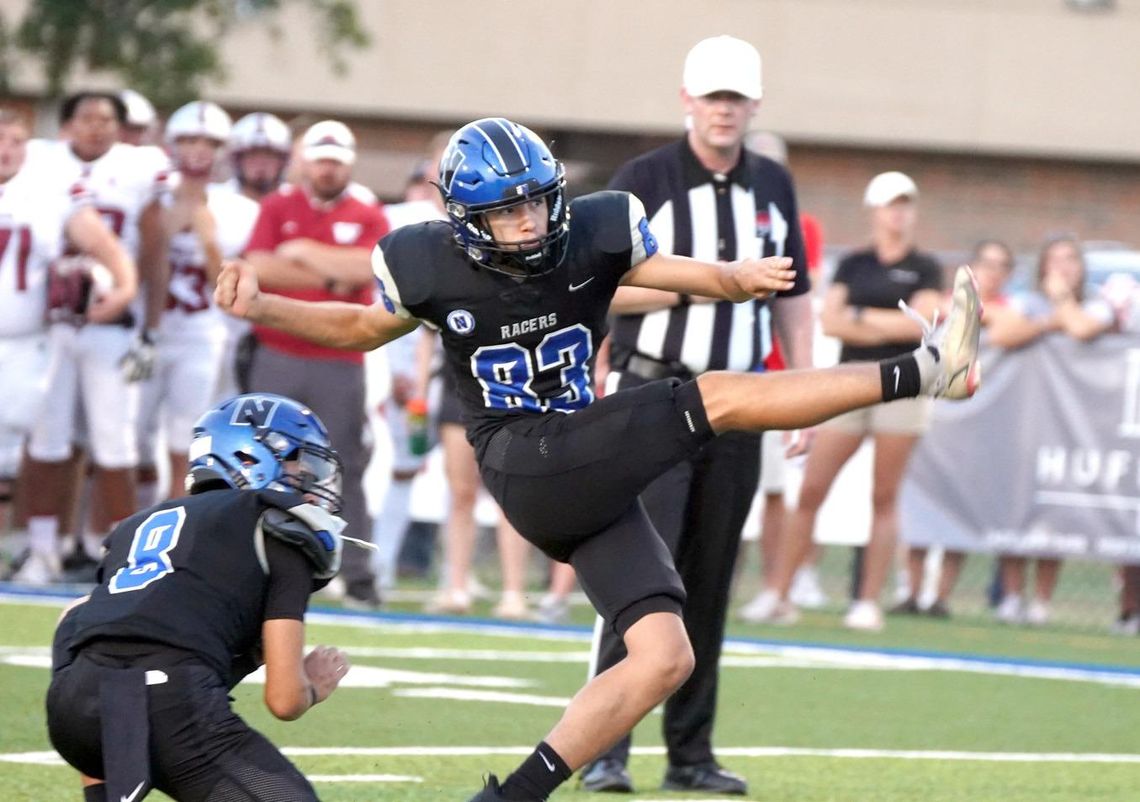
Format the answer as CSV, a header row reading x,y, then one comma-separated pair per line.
x,y
1009,610
1037,614
767,608
553,609
948,356
864,616
806,591
512,606
450,603
40,569
1127,625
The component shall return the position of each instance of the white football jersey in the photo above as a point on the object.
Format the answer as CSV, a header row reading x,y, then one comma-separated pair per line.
x,y
122,182
190,297
32,221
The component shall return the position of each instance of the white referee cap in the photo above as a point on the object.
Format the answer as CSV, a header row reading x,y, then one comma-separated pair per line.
x,y
723,64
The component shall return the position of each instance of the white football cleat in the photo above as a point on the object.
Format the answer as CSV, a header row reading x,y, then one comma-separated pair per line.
x,y
953,344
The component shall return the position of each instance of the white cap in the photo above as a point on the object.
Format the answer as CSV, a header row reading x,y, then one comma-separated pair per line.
x,y
140,112
723,64
885,187
329,139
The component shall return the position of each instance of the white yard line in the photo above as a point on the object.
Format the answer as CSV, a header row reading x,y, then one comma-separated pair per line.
x,y
52,759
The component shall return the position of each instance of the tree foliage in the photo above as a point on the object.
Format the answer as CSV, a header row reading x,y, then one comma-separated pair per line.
x,y
165,49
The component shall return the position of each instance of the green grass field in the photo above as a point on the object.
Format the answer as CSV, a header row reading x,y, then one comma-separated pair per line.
x,y
433,706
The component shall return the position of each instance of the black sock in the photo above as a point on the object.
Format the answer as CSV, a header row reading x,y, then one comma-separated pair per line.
x,y
95,793
537,777
900,377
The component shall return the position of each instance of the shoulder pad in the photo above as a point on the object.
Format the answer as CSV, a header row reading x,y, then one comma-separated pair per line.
x,y
312,529
604,219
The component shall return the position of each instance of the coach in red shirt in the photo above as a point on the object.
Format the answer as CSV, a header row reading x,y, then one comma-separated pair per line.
x,y
314,241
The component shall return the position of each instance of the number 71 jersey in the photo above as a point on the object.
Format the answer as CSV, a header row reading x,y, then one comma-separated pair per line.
x,y
517,345
32,223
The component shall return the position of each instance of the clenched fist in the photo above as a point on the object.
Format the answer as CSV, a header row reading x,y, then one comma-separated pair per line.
x,y
237,291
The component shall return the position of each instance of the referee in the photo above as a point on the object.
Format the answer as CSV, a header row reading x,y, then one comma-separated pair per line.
x,y
709,198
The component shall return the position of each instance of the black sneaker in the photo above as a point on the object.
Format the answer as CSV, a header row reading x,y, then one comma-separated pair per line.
x,y
704,777
908,607
361,596
607,774
938,610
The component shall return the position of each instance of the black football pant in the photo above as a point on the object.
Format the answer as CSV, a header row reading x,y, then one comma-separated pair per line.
x,y
699,507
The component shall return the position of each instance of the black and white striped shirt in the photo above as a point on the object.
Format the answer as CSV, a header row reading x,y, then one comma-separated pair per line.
x,y
750,212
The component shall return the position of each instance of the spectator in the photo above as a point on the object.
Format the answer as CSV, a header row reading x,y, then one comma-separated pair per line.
x,y
204,224
124,182
861,310
1057,303
992,262
805,590
312,241
693,189
259,148
141,125
34,224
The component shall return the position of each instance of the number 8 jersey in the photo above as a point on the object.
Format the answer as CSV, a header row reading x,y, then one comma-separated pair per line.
x,y
517,345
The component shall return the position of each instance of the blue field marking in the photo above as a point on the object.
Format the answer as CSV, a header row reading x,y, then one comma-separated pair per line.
x,y
62,594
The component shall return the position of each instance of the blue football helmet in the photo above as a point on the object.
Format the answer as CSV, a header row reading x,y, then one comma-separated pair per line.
x,y
494,164
260,440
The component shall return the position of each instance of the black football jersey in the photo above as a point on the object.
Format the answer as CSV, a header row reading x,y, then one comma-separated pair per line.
x,y
514,345
191,573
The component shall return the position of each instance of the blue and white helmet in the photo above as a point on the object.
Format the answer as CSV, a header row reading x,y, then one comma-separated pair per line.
x,y
246,441
494,163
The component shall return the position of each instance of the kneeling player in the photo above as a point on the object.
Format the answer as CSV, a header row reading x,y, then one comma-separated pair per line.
x,y
194,594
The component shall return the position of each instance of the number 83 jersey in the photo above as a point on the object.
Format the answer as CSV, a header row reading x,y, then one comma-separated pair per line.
x,y
517,345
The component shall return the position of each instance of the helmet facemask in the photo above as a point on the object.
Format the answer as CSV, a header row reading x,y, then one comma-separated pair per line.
x,y
307,468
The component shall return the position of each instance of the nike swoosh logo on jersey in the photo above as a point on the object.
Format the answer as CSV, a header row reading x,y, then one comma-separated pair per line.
x,y
546,760
134,793
575,287
897,374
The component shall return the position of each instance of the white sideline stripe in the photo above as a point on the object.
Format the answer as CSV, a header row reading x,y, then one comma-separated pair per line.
x,y
484,696
362,778
49,758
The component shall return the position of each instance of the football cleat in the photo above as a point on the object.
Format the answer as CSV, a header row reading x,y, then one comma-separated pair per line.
x,y
491,792
953,343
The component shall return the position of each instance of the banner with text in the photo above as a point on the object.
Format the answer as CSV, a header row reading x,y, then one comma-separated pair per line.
x,y
1044,461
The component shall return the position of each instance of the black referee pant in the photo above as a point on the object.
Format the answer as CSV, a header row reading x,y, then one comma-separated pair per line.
x,y
699,507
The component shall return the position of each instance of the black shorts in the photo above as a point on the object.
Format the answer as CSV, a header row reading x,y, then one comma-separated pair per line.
x,y
201,751
569,484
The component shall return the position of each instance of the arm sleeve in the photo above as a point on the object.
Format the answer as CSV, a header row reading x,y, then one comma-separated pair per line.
x,y
290,581
642,242
386,283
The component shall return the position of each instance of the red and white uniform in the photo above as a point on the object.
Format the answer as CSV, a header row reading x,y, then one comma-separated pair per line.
x,y
192,332
32,224
122,183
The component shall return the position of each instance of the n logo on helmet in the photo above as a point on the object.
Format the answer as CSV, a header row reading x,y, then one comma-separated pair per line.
x,y
255,411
